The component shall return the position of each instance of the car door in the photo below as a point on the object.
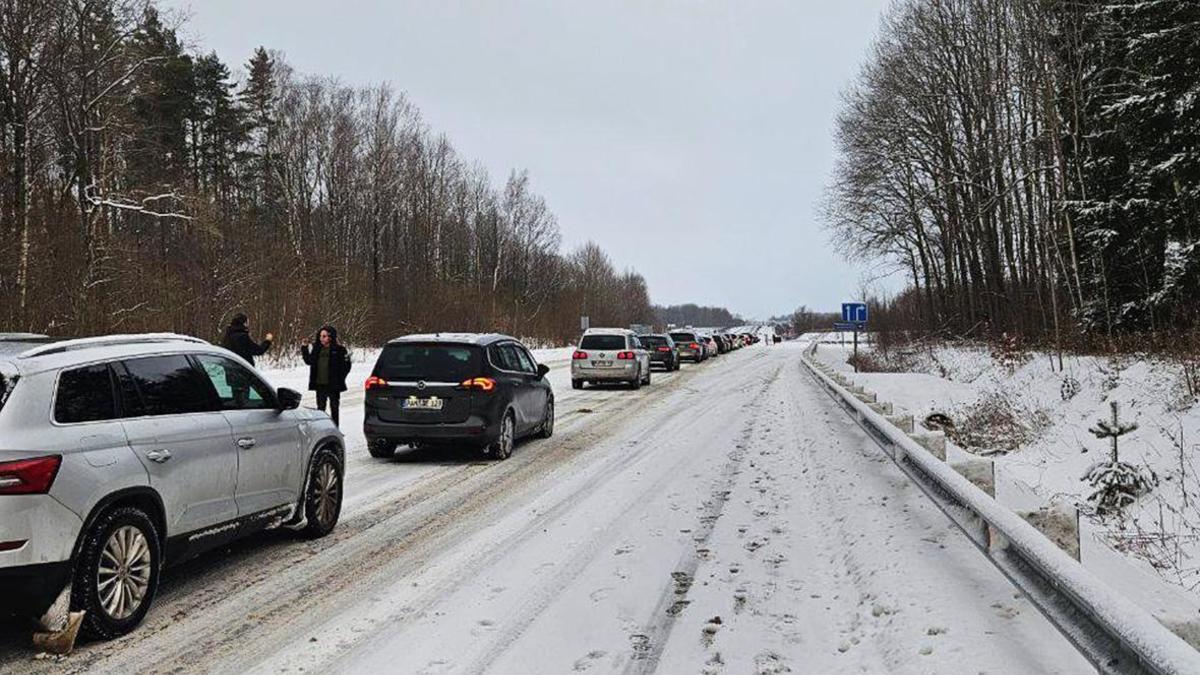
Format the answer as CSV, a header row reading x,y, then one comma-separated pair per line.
x,y
267,439
509,373
185,443
537,390
643,356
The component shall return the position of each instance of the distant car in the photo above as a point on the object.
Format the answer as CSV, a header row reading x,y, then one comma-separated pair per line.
x,y
663,351
711,344
689,346
480,390
125,453
610,355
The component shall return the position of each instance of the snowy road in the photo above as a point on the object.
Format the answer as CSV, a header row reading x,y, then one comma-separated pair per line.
x,y
727,519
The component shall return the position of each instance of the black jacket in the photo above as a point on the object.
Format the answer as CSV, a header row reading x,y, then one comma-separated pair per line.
x,y
339,365
237,340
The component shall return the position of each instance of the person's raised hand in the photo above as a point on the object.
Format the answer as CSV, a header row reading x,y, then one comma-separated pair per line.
x,y
270,336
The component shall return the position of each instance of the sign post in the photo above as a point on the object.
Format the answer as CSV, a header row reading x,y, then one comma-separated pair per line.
x,y
585,322
854,316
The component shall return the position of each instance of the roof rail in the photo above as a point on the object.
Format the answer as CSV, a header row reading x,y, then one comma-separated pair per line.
x,y
107,341
22,337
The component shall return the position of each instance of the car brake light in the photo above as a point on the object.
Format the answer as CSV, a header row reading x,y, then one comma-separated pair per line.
x,y
374,382
695,346
625,356
579,355
29,476
664,349
479,383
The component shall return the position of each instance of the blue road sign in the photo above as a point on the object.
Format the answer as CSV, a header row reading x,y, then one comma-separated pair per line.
x,y
854,312
839,326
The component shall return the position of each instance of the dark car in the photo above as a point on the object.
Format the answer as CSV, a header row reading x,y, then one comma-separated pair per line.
x,y
663,352
690,346
456,389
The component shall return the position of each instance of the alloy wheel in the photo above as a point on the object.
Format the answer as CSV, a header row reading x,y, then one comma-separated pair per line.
x,y
123,575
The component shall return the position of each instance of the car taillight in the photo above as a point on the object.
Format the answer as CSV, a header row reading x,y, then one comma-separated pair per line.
x,y
375,383
29,476
625,356
579,355
664,349
479,384
695,346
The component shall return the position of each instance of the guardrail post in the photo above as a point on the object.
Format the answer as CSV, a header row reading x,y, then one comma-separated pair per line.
x,y
902,422
981,472
1060,524
934,442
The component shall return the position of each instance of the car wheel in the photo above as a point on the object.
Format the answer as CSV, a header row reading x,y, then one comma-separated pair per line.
x,y
577,384
323,495
116,574
381,449
647,380
502,447
636,383
547,429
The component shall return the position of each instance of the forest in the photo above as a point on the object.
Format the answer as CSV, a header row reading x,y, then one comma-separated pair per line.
x,y
146,186
1031,167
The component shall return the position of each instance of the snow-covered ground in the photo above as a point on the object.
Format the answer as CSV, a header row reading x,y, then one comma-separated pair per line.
x,y
1033,421
727,519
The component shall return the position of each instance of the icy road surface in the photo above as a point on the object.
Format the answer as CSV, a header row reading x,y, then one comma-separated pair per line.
x,y
727,519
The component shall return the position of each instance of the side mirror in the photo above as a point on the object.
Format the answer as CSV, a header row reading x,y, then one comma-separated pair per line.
x,y
289,399
543,369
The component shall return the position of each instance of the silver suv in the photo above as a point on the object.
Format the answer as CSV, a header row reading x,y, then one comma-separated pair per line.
x,y
610,355
120,454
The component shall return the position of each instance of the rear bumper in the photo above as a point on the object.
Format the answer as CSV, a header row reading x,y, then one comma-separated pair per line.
x,y
627,374
690,355
665,360
29,590
475,428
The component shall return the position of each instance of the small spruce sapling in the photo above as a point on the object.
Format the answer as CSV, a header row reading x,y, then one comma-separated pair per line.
x,y
1116,484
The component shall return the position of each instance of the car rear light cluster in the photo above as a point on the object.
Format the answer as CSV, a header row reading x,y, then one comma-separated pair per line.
x,y
29,476
578,355
479,384
695,346
664,349
374,382
625,356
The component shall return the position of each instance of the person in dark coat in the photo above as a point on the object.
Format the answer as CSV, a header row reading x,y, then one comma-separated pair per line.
x,y
237,339
328,365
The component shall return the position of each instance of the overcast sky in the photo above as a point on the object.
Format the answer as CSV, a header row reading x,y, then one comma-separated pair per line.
x,y
692,140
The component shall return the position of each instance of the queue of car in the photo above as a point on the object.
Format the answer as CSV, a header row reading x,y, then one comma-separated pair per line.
x,y
124,454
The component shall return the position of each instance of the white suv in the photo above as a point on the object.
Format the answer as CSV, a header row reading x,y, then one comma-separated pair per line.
x,y
610,355
121,454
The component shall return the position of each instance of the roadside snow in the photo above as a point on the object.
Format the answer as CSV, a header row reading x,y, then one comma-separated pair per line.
x,y
1016,401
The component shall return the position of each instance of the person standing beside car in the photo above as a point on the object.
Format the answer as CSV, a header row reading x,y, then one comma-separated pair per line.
x,y
237,339
328,365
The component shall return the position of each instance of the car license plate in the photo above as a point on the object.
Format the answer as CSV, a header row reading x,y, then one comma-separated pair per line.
x,y
414,403
601,364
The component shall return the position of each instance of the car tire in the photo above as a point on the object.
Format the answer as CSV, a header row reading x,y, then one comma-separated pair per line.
x,y
323,494
127,537
646,381
502,447
636,383
577,384
381,449
547,428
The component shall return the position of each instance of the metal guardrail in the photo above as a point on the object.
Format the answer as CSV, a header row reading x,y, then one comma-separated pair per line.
x,y
1116,635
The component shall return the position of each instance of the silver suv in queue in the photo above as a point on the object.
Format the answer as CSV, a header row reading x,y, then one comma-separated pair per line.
x,y
610,355
121,454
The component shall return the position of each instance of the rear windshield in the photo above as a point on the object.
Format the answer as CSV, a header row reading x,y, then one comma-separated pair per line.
x,y
432,362
683,337
653,340
609,342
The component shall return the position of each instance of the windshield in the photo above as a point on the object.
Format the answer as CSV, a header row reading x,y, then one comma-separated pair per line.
x,y
603,342
431,362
